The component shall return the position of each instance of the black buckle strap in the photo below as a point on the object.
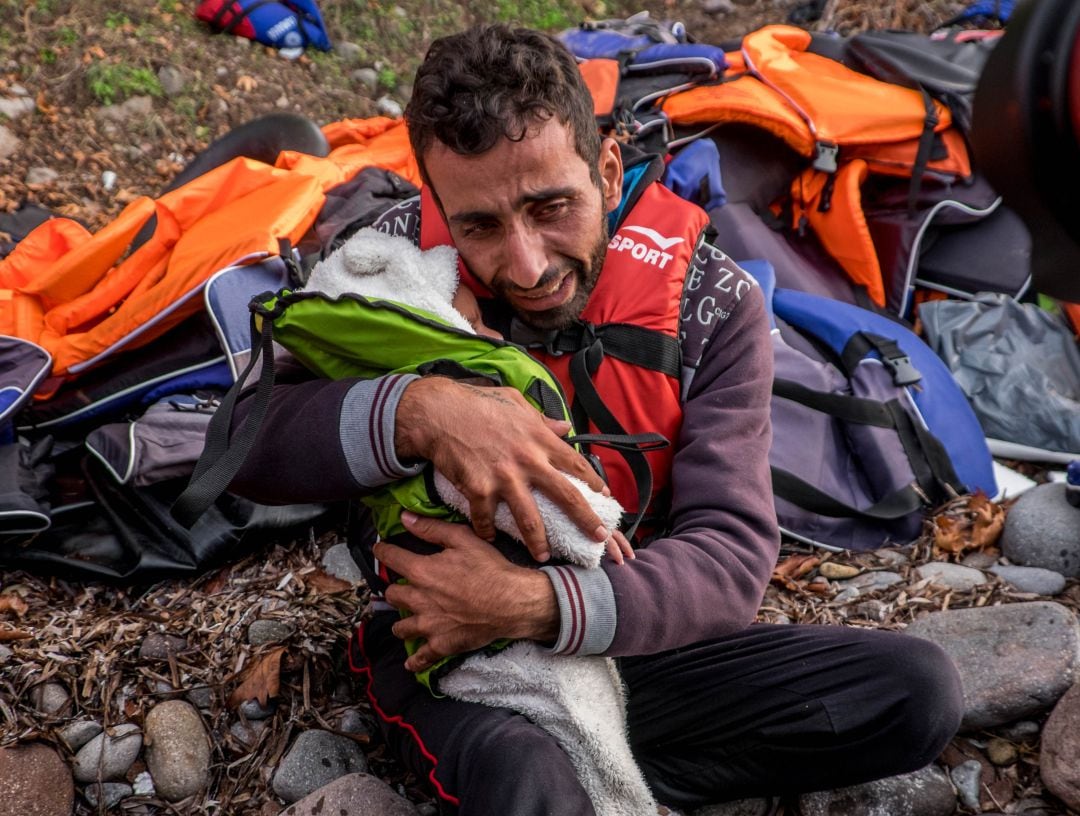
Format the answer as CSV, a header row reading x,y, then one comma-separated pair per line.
x,y
636,345
894,358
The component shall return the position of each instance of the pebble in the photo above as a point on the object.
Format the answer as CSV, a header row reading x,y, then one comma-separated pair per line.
x,y
1031,579
316,758
77,734
357,794
876,579
265,631
1001,752
1043,530
172,80
738,807
369,78
18,90
966,776
1023,731
718,7
354,722
34,781
51,699
135,107
201,697
386,106
252,710
872,609
847,595
108,756
926,792
1014,660
14,108
177,749
338,561
9,142
108,180
5,653
1059,753
979,560
157,646
836,572
143,784
893,558
106,794
247,734
954,576
350,52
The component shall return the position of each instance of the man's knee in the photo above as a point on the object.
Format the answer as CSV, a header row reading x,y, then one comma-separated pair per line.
x,y
930,704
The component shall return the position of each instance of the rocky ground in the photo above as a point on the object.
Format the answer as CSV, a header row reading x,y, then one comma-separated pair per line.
x,y
230,694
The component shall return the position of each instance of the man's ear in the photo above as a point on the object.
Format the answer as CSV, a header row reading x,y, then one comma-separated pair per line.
x,y
611,174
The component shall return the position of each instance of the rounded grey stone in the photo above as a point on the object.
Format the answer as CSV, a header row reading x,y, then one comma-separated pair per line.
x,y
5,653
875,579
177,749
953,576
1014,660
247,734
966,777
1022,731
369,79
75,735
846,595
265,631
1031,579
106,794
350,52
354,722
1043,530
338,561
14,108
9,142
158,646
316,758
201,697
172,80
252,710
926,792
41,175
718,6
872,609
108,755
979,560
358,794
51,699
386,106
143,784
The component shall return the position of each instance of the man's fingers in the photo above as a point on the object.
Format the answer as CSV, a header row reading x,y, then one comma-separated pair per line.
x,y
560,427
613,551
625,547
569,498
446,534
396,558
424,658
482,516
530,524
407,628
570,461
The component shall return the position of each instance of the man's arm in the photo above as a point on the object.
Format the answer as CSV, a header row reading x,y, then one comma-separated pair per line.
x,y
707,577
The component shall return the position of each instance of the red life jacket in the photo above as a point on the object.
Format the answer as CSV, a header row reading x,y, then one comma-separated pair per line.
x,y
640,285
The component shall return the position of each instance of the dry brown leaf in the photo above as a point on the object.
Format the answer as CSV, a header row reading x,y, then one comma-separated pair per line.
x,y
246,83
13,603
14,634
795,566
325,583
947,535
971,523
262,680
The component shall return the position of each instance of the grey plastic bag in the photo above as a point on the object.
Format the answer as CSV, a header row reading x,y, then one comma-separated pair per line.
x,y
1018,365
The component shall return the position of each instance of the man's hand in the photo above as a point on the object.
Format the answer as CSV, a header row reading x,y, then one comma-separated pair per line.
x,y
466,596
493,446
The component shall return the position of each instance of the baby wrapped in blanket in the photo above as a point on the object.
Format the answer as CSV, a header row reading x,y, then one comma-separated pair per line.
x,y
578,699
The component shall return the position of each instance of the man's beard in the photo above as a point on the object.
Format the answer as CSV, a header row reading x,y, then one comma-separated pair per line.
x,y
587,275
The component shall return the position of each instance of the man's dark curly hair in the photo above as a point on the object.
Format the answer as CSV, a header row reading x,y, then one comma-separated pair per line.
x,y
494,81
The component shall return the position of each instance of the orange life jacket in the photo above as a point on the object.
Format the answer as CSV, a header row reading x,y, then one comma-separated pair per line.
x,y
641,284
75,294
848,123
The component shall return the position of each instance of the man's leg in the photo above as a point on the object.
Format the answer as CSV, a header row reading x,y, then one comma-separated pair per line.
x,y
787,709
482,760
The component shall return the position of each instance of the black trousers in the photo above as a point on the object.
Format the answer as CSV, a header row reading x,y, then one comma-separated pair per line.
x,y
772,710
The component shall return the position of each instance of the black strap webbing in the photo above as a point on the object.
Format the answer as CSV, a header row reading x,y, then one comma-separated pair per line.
x,y
583,366
646,348
221,460
850,409
895,506
922,154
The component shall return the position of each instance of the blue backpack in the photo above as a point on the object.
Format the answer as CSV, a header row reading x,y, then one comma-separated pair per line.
x,y
870,430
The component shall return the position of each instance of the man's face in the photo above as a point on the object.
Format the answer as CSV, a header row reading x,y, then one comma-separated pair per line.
x,y
529,220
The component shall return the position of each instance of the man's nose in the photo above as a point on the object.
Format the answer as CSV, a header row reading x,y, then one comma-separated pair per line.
x,y
526,258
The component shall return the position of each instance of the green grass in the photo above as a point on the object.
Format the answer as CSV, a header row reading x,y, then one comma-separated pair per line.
x,y
115,83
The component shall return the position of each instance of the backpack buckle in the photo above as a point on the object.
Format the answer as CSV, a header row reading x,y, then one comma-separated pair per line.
x,y
825,154
901,369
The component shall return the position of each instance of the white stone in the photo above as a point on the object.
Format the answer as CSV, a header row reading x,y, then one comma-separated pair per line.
x,y
954,576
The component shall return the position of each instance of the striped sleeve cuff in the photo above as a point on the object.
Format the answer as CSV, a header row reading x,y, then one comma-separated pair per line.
x,y
586,610
367,430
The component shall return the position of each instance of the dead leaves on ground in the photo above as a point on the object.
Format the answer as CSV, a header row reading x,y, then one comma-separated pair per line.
x,y
262,680
787,572
968,523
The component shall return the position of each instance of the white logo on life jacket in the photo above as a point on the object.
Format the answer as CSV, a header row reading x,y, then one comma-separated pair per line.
x,y
643,252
